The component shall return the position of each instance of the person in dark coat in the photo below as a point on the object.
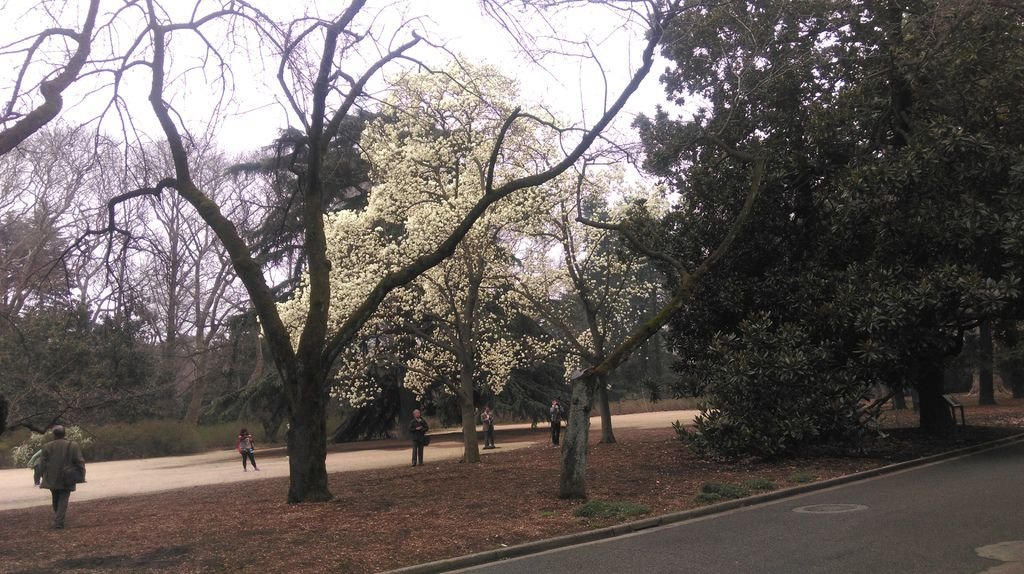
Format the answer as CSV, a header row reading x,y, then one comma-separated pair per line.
x,y
556,421
418,430
56,454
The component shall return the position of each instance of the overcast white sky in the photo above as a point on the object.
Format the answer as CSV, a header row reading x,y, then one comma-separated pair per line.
x,y
574,87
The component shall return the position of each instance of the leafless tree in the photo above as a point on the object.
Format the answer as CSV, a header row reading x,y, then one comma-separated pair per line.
x,y
189,277
50,189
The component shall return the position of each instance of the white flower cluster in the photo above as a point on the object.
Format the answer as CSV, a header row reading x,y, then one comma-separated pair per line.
x,y
428,164
570,267
20,454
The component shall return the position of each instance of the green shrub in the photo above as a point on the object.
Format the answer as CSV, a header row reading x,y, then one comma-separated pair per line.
x,y
143,440
224,435
606,509
717,492
769,391
802,477
24,451
643,405
759,484
8,441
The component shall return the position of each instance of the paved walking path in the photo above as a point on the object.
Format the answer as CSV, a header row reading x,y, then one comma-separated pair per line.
x,y
143,476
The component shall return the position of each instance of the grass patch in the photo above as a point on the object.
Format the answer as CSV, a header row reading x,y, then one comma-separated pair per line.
x,y
759,484
712,492
717,492
607,509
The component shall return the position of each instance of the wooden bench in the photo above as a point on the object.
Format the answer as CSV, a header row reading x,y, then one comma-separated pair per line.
x,y
953,406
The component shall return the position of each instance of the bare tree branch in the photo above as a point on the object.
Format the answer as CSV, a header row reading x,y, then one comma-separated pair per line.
x,y
52,90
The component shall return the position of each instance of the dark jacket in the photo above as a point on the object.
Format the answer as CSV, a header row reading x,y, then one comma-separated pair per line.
x,y
56,454
418,430
557,414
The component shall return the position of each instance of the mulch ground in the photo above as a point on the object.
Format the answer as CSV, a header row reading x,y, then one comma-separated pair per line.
x,y
386,519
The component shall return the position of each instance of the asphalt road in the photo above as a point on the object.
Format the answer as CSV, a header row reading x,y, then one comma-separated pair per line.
x,y
962,515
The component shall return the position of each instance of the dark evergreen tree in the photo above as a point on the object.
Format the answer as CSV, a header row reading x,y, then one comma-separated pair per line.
x,y
890,218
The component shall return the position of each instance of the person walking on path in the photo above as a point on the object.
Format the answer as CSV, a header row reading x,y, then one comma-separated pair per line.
x,y
247,448
58,454
487,417
418,429
35,463
556,421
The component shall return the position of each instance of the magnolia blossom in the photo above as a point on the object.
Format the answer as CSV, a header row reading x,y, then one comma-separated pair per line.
x,y
569,267
428,155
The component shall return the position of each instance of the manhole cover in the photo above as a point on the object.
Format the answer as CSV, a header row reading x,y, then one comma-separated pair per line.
x,y
830,508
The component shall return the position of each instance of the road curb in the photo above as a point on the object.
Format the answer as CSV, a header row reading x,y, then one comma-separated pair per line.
x,y
538,546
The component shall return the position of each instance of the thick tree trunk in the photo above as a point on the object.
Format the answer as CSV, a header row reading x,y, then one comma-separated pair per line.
x,y
607,436
271,423
3,414
936,416
471,450
195,401
1013,377
409,403
899,401
307,441
573,483
1016,379
1013,370
199,384
986,353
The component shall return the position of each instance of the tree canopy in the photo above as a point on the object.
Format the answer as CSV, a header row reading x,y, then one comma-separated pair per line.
x,y
887,226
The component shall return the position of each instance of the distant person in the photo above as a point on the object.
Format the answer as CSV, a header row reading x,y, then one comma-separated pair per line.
x,y
58,454
556,421
487,417
418,429
35,463
247,448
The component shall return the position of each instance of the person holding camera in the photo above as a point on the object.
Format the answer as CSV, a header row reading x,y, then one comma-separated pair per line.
x,y
418,430
247,448
556,413
487,418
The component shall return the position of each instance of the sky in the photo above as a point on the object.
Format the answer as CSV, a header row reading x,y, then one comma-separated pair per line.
x,y
571,86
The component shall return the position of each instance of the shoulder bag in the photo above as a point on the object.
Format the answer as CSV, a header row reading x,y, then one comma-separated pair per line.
x,y
72,473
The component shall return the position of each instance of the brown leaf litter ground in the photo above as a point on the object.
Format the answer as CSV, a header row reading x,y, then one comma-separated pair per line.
x,y
386,519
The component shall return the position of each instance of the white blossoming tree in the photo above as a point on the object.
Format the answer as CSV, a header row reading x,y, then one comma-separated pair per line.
x,y
429,159
581,281
646,236
307,337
